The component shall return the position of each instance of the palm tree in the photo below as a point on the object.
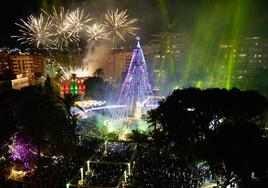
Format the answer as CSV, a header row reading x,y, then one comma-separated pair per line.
x,y
99,72
69,101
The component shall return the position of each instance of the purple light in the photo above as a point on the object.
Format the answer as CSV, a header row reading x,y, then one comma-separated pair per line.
x,y
22,149
136,87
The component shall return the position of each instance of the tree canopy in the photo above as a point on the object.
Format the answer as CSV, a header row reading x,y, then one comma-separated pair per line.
x,y
97,88
223,127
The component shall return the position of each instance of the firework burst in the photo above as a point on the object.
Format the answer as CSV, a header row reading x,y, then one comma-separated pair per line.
x,y
96,32
118,24
61,29
77,19
36,31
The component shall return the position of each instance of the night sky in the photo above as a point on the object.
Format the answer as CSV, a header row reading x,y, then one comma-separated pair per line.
x,y
153,15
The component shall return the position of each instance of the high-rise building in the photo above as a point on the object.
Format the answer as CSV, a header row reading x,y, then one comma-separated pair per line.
x,y
256,51
22,63
38,64
4,61
168,51
113,63
116,63
245,62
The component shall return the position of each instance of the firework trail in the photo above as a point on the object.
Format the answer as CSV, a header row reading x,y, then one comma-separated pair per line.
x,y
96,32
118,24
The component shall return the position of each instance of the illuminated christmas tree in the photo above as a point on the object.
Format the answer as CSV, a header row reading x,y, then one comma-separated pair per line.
x,y
136,87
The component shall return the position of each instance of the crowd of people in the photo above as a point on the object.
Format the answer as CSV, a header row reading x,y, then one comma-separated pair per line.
x,y
154,170
149,168
115,152
106,175
55,173
110,165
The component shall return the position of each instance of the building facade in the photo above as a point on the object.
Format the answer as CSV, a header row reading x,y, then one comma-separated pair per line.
x,y
38,64
167,55
22,64
4,62
20,82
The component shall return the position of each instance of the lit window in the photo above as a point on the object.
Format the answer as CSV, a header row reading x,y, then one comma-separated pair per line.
x,y
242,55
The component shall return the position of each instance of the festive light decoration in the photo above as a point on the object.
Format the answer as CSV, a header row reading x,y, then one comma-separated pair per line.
x,y
23,150
136,87
90,104
17,175
74,86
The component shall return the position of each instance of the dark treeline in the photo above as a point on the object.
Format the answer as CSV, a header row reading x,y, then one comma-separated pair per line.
x,y
223,128
195,135
41,115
